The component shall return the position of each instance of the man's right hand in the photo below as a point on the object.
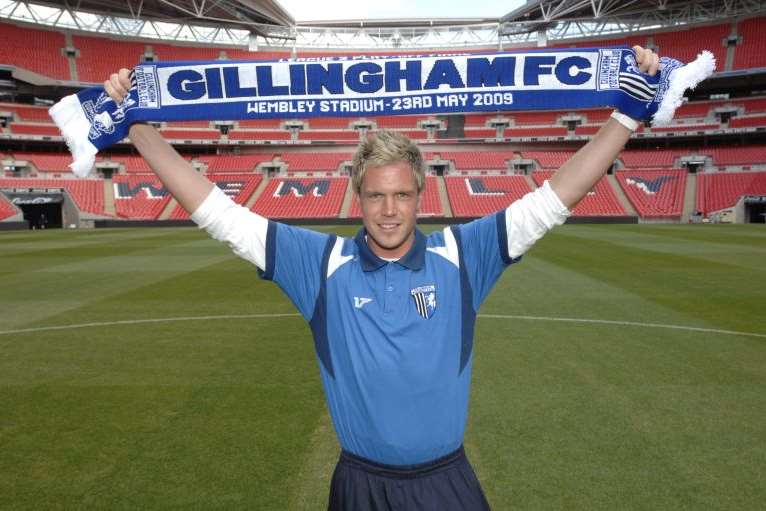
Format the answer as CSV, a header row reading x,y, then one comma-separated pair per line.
x,y
118,85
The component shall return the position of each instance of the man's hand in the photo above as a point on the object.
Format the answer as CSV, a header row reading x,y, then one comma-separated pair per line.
x,y
648,61
118,85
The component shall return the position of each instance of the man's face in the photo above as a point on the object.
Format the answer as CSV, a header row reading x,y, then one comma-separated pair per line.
x,y
389,200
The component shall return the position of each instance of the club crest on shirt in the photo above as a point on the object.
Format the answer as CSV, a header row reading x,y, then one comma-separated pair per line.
x,y
425,300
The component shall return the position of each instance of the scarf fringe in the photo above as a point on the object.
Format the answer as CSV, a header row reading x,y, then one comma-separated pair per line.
x,y
686,77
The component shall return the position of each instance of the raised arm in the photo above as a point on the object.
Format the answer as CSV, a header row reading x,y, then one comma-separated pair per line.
x,y
244,230
581,172
189,187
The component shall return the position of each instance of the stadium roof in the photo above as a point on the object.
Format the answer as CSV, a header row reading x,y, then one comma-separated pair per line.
x,y
251,15
265,23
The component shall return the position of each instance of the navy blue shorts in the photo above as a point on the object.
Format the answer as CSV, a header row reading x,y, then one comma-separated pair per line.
x,y
445,484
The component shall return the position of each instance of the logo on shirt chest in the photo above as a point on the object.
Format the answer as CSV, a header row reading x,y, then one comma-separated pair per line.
x,y
424,298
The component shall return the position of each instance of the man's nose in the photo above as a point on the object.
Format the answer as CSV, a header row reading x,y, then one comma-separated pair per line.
x,y
389,206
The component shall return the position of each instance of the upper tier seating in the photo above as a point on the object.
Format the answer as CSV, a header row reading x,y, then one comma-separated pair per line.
x,y
46,130
46,162
548,159
34,49
28,112
239,187
186,134
87,194
600,201
430,205
314,161
100,56
302,198
654,193
752,121
752,52
475,196
139,197
342,135
720,190
474,160
240,134
685,45
233,162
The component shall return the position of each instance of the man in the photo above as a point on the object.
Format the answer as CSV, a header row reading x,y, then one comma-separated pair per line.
x,y
392,311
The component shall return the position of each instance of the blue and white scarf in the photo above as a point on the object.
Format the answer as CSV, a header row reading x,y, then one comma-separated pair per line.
x,y
370,86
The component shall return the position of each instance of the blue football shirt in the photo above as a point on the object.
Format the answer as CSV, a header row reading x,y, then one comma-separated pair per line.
x,y
394,339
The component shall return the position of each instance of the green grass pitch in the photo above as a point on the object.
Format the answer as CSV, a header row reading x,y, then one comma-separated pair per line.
x,y
186,382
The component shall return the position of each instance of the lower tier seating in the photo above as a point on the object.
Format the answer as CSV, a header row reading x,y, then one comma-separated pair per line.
x,y
720,190
87,194
302,198
481,195
139,197
239,187
600,201
654,193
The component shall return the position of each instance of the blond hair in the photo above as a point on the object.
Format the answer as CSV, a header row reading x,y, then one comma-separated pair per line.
x,y
386,148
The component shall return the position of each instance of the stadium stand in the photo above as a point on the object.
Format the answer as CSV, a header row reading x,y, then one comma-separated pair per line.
x,y
474,160
684,45
132,164
7,209
649,158
720,190
341,135
233,162
535,118
37,50
27,112
475,196
186,134
430,205
600,201
139,197
313,161
240,134
99,57
752,52
753,121
269,124
548,159
45,162
87,194
239,187
654,193
302,198
48,130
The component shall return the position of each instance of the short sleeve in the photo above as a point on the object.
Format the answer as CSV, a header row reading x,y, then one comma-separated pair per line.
x,y
294,261
483,253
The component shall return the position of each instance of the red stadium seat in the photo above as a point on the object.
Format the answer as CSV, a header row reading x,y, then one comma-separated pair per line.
x,y
87,194
302,198
752,52
37,50
720,190
139,197
239,187
600,201
475,196
7,209
654,193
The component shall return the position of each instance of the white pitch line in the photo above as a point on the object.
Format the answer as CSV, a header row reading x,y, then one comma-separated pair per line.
x,y
294,314
625,323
